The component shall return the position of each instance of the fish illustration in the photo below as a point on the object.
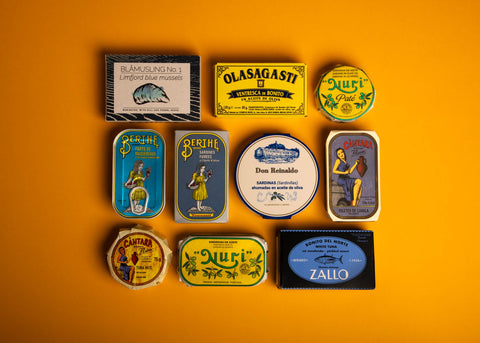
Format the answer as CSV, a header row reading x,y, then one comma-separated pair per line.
x,y
327,259
149,93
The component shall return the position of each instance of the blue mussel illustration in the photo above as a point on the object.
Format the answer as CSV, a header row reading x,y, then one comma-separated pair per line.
x,y
149,93
327,259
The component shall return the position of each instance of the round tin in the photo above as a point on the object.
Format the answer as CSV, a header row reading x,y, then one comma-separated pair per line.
x,y
139,258
276,176
344,94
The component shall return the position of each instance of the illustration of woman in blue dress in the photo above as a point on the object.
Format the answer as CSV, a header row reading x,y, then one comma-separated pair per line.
x,y
352,187
198,185
128,271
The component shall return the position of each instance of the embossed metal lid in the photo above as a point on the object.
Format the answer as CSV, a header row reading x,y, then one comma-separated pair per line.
x,y
277,176
138,180
139,258
344,94
226,260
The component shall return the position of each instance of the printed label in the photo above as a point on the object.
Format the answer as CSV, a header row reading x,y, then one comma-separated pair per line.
x,y
256,89
138,175
327,260
345,93
137,259
353,175
277,176
201,164
151,87
223,261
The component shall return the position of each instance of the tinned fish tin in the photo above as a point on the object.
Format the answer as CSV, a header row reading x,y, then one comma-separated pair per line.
x,y
328,259
138,189
260,89
156,88
223,260
277,176
344,93
353,175
201,176
139,258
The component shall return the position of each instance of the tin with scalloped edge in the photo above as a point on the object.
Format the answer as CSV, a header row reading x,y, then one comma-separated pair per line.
x,y
328,259
344,93
353,175
138,189
277,176
223,260
139,258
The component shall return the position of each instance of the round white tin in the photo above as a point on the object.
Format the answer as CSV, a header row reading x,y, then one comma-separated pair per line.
x,y
277,176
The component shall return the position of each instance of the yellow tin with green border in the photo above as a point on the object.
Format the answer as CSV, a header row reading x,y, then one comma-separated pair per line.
x,y
223,260
344,94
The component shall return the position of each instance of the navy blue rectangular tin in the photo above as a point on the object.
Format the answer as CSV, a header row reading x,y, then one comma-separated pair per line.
x,y
138,181
325,259
201,176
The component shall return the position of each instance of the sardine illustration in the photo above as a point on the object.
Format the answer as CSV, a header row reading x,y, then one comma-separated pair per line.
x,y
149,93
327,259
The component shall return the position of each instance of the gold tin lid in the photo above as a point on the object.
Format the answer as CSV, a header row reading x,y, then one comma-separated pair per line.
x,y
344,94
223,260
139,258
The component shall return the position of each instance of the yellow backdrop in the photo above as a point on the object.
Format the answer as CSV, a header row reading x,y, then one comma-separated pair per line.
x,y
57,218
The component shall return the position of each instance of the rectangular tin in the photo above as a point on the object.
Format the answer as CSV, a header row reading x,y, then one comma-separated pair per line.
x,y
353,175
223,260
152,88
201,176
260,89
138,182
325,259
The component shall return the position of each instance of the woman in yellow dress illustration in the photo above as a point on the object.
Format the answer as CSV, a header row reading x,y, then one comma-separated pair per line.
x,y
135,182
199,179
352,187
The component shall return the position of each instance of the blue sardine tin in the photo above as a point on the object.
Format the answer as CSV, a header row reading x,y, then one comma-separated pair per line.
x,y
201,176
138,189
328,259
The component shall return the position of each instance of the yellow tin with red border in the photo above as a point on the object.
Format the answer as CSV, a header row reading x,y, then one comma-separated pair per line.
x,y
344,94
223,260
139,258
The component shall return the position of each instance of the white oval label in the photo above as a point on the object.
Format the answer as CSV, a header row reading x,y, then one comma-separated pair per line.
x,y
277,176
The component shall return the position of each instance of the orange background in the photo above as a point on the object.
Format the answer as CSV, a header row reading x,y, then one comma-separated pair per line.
x,y
57,218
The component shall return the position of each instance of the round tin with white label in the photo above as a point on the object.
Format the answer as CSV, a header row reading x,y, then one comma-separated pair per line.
x,y
277,176
344,93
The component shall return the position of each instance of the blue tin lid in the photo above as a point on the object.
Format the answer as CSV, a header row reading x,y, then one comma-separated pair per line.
x,y
277,176
138,188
